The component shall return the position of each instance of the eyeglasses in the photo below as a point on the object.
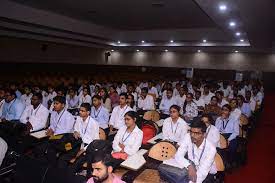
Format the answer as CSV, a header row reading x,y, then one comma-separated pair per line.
x,y
195,133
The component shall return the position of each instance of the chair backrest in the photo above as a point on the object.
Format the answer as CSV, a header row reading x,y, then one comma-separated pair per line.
x,y
102,135
151,116
162,151
243,120
219,163
223,142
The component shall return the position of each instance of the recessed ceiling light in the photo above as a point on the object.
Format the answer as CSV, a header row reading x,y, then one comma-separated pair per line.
x,y
143,41
199,51
137,50
223,7
166,50
204,40
236,51
232,24
118,42
241,40
238,33
112,50
171,41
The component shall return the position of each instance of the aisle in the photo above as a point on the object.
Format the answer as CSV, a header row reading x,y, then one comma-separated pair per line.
x,y
260,166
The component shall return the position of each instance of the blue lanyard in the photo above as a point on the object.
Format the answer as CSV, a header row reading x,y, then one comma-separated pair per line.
x,y
224,125
96,115
193,153
123,140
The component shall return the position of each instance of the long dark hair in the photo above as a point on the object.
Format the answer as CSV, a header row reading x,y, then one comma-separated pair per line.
x,y
134,115
132,104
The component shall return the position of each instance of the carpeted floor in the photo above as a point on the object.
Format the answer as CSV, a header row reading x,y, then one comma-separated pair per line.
x,y
260,165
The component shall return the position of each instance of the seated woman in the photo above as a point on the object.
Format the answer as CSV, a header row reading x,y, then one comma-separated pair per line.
x,y
128,138
190,109
113,96
213,108
131,102
106,101
174,127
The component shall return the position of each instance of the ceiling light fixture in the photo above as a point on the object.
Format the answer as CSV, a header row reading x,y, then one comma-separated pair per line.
x,y
232,24
166,50
171,41
236,51
112,50
241,40
118,42
204,40
143,41
222,7
137,50
238,33
199,51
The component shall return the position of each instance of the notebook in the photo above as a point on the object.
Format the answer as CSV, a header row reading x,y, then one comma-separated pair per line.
x,y
173,162
136,161
39,134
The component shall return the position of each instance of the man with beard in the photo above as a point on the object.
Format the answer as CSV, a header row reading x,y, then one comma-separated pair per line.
x,y
102,170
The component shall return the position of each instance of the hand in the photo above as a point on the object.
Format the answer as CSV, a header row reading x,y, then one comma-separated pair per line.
x,y
192,174
81,151
49,132
29,126
76,135
111,128
122,146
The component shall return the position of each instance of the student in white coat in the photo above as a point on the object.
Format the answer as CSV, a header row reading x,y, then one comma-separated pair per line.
x,y
174,128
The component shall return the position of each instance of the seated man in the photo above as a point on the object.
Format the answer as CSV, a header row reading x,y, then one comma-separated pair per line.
x,y
200,160
85,129
174,128
128,138
2,100
100,114
72,101
117,116
166,103
213,108
35,115
61,120
145,102
26,97
228,126
102,170
12,110
13,107
199,101
243,106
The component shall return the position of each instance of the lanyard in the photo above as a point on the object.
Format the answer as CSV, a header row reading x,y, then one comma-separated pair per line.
x,y
208,130
59,118
96,115
36,110
174,132
193,153
123,140
86,127
11,106
121,114
224,125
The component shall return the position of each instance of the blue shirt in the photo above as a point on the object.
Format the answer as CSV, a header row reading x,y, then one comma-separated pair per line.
x,y
13,110
229,125
101,116
246,110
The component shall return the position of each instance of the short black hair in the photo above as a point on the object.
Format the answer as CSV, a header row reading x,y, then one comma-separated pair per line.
x,y
123,94
144,89
197,123
210,118
87,106
38,95
227,106
214,97
169,89
106,159
60,99
11,92
97,97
